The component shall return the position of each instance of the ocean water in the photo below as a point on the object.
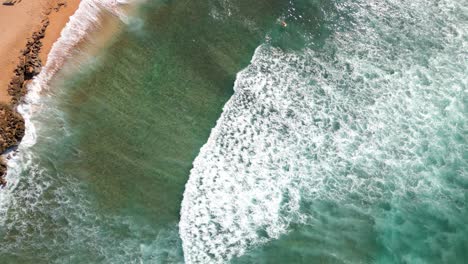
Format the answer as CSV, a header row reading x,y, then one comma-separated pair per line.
x,y
205,132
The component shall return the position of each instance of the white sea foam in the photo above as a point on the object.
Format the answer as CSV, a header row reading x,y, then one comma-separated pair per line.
x,y
372,114
86,19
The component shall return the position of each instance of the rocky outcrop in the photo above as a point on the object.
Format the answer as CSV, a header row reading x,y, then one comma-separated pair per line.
x,y
11,133
3,169
29,65
11,127
11,122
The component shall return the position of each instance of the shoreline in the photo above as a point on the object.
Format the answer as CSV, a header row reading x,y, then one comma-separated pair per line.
x,y
29,30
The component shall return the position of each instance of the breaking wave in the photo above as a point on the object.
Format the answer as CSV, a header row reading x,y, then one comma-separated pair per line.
x,y
374,121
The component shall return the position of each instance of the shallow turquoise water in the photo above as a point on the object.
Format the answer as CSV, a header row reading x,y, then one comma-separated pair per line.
x,y
343,140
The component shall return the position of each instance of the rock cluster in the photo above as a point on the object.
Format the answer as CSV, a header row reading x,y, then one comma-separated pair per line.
x,y
11,133
12,123
29,65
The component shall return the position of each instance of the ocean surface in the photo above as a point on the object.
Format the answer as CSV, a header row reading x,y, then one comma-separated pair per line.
x,y
208,132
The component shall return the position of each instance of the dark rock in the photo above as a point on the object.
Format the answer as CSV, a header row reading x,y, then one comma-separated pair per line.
x,y
11,127
9,2
11,132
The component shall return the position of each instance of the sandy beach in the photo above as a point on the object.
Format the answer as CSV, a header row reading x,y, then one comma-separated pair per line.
x,y
17,24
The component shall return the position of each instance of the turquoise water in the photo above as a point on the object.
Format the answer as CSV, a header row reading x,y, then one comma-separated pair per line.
x,y
207,133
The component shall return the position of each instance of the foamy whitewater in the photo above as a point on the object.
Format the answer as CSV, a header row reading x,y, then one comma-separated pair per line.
x,y
375,122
